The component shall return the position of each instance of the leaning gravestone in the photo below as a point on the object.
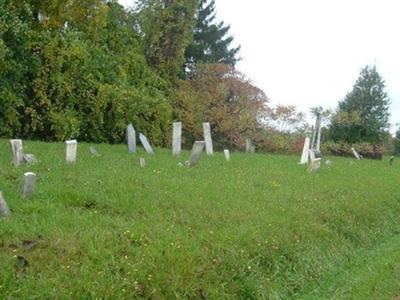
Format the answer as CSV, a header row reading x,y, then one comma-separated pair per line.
x,y
4,210
29,184
131,137
93,151
197,149
176,138
227,155
18,152
356,155
30,158
142,162
208,138
70,151
145,143
305,154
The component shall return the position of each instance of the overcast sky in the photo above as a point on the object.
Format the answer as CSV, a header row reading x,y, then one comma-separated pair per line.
x,y
310,52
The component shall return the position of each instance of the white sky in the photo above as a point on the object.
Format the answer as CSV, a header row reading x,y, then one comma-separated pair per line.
x,y
310,52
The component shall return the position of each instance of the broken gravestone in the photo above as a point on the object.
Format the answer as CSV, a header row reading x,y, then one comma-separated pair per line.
x,y
146,144
4,210
195,155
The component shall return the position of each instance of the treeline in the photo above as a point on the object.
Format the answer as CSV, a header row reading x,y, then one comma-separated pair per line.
x,y
85,69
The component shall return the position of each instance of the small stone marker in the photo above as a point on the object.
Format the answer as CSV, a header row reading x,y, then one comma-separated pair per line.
x,y
29,184
248,146
227,155
30,158
18,152
356,155
305,154
142,162
176,138
93,151
391,160
131,137
208,138
70,151
329,163
315,165
197,149
4,210
146,144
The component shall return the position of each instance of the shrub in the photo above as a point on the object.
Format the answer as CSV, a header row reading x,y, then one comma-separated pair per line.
x,y
367,150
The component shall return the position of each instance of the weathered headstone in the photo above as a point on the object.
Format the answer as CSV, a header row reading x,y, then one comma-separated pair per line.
x,y
249,146
208,138
176,138
30,158
142,162
93,151
356,155
197,149
391,160
29,184
312,155
145,143
227,155
70,151
305,154
4,210
17,151
131,137
315,165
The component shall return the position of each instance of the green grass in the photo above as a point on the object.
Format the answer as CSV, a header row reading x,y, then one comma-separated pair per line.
x,y
258,227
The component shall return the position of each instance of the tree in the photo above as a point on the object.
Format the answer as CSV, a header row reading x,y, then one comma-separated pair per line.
x,y
396,143
211,42
363,116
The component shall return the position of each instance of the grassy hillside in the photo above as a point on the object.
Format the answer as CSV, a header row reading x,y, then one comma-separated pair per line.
x,y
258,227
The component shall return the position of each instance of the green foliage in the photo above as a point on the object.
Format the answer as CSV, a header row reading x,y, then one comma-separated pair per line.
x,y
363,116
367,150
211,42
396,143
258,226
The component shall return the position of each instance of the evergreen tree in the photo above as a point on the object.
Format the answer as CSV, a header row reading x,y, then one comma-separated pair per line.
x,y
363,116
211,42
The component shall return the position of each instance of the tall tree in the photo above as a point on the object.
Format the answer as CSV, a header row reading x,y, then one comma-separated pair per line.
x,y
363,116
211,42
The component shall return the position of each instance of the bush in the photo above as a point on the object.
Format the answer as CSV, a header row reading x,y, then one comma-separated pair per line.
x,y
367,150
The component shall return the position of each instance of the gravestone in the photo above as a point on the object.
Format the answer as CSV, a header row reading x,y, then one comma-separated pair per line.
x,y
305,154
29,184
176,138
356,155
195,155
208,138
391,160
249,146
93,151
17,151
315,165
227,155
145,143
70,151
30,158
329,163
142,162
131,137
4,210
312,155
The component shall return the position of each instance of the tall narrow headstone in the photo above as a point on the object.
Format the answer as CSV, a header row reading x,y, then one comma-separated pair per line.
x,y
17,151
227,155
197,149
305,154
249,146
356,155
131,137
208,138
142,162
29,184
176,138
145,143
4,210
70,151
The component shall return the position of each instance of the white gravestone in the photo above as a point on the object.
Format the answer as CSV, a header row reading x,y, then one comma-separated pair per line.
x,y
249,146
312,155
30,158
145,143
305,154
197,149
176,138
70,151
142,162
208,138
131,137
227,155
4,210
18,152
315,165
29,184
356,155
